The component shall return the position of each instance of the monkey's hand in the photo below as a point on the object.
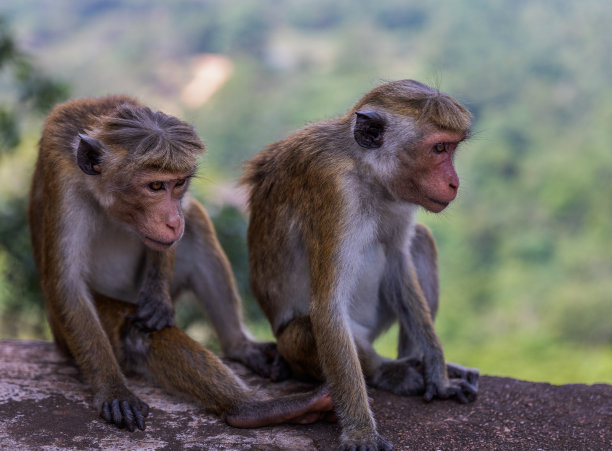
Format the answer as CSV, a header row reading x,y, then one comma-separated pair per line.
x,y
154,311
437,385
122,408
262,358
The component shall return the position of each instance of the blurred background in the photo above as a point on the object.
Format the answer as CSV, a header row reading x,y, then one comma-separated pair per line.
x,y
525,250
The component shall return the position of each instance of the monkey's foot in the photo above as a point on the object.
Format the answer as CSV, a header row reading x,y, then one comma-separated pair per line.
x,y
125,411
403,377
470,375
302,408
458,389
262,358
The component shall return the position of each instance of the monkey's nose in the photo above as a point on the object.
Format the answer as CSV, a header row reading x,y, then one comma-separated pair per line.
x,y
174,226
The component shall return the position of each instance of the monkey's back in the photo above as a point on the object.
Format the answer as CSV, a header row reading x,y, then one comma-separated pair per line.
x,y
295,201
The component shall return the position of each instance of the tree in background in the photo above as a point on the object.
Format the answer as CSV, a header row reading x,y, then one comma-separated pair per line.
x,y
32,91
30,94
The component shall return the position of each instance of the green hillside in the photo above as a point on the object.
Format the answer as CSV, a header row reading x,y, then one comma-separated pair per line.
x,y
526,250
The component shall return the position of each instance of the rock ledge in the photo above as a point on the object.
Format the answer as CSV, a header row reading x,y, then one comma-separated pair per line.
x,y
43,405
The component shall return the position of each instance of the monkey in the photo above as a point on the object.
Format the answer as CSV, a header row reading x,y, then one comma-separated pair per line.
x,y
336,257
116,238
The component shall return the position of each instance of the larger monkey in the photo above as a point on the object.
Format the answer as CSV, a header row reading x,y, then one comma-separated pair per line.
x,y
335,254
110,216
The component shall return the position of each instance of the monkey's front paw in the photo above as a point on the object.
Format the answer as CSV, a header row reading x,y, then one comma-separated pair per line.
x,y
127,411
375,444
460,389
153,313
262,358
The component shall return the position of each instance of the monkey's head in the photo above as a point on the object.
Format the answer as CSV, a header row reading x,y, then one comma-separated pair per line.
x,y
137,164
408,133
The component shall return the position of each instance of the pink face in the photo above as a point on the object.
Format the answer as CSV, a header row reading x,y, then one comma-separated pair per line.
x,y
152,207
427,176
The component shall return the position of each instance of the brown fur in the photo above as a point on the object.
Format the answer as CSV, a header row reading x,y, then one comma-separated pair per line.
x,y
330,208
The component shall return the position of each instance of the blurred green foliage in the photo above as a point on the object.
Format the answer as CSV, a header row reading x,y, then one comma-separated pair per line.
x,y
24,89
25,93
525,251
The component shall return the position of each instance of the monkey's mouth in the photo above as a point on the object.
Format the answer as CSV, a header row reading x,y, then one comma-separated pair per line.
x,y
156,243
439,202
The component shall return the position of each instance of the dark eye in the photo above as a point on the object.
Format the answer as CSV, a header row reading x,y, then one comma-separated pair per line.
x,y
156,186
440,147
180,182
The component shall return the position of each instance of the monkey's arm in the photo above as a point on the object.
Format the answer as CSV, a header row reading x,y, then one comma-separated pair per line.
x,y
424,256
340,363
209,274
77,328
333,277
155,309
416,321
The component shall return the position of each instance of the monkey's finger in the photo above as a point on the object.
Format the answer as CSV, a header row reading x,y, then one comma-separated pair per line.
x,y
139,418
106,412
165,321
430,392
146,310
128,416
116,413
151,322
470,391
461,396
472,378
463,391
159,320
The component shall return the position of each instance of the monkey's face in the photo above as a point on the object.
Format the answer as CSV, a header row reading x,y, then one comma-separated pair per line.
x,y
426,174
414,161
152,207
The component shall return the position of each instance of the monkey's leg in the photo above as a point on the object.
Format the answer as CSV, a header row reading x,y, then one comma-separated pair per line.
x,y
296,344
400,290
179,363
424,256
210,277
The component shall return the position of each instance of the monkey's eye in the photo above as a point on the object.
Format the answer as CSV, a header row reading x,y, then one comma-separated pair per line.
x,y
156,186
439,147
180,182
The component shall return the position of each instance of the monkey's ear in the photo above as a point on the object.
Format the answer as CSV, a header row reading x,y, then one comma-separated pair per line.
x,y
369,129
88,154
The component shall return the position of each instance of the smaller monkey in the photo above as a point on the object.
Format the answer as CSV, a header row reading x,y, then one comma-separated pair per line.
x,y
110,220
336,256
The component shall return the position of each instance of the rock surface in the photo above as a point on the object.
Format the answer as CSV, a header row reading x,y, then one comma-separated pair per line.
x,y
44,406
